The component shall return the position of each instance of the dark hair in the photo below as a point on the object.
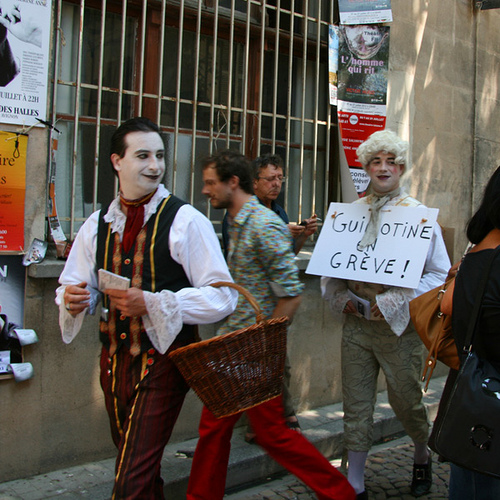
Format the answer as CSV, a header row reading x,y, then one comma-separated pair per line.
x,y
228,163
137,124
261,162
487,216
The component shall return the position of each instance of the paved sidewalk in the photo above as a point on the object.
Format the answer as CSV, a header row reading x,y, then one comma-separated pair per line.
x,y
388,473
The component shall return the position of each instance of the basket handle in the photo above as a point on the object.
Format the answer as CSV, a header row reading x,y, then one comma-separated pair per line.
x,y
259,317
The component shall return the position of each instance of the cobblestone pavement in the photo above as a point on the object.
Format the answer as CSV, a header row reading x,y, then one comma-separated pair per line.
x,y
388,475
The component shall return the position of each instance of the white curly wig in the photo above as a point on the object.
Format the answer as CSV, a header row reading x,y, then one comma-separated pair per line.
x,y
386,141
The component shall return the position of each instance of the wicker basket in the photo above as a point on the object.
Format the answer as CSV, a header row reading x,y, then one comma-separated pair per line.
x,y
236,371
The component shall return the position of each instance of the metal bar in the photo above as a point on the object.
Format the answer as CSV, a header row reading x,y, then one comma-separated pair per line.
x,y
77,114
316,107
195,96
289,95
245,80
160,63
328,146
178,95
303,107
99,106
122,58
143,56
57,49
214,69
230,78
276,75
122,72
261,73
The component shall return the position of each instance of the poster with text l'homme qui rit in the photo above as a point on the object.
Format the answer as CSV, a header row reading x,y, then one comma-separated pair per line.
x,y
24,60
362,90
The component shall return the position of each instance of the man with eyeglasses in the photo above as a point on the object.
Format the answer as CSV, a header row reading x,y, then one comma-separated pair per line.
x,y
268,172
268,180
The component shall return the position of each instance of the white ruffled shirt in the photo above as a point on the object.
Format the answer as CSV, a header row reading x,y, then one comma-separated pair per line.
x,y
193,244
393,301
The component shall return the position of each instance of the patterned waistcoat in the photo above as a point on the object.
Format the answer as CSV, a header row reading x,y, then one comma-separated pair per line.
x,y
149,267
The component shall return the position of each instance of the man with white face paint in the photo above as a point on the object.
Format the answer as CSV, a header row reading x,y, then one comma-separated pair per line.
x,y
171,255
388,340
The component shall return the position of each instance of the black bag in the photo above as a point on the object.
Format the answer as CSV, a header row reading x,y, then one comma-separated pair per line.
x,y
469,430
467,427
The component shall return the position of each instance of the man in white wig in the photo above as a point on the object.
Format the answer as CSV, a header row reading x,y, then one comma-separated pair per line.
x,y
388,341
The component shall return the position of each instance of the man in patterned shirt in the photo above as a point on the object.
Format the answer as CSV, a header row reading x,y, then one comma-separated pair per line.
x,y
261,259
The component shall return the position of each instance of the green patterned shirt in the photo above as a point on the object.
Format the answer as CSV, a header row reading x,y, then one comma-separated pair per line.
x,y
260,259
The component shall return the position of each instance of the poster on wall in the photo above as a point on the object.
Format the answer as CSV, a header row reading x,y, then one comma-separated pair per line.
x,y
12,190
355,128
24,60
365,11
12,286
333,62
362,90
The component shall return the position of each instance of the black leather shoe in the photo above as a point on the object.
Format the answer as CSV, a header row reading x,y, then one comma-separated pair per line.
x,y
422,479
362,496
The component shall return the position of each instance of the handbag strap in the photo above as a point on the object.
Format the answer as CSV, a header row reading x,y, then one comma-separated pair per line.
x,y
479,300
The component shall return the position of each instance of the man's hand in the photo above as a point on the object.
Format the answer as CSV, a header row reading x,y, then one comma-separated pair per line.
x,y
300,232
129,302
376,311
453,270
349,308
305,228
296,230
311,225
76,298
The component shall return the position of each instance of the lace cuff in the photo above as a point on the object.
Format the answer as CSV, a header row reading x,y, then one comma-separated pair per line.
x,y
71,325
334,291
394,305
164,319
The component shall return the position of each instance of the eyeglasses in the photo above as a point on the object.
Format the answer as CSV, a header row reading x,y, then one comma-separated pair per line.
x,y
278,178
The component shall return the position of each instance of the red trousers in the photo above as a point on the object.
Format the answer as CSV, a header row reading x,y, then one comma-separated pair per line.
x,y
143,395
293,451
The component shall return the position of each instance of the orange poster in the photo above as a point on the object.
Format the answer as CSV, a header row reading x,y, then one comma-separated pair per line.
x,y
12,190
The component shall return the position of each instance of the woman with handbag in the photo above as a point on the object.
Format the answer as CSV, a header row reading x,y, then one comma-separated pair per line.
x,y
480,269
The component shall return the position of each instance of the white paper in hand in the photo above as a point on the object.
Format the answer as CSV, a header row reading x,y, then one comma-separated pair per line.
x,y
112,281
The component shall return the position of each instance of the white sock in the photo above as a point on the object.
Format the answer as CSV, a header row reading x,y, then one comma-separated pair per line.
x,y
356,469
422,454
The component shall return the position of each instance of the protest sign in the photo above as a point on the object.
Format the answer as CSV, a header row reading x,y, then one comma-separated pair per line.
x,y
396,258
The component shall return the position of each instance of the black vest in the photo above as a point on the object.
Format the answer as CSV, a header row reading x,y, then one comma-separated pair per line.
x,y
149,266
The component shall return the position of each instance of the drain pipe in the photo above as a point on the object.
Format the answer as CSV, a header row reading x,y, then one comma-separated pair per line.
x,y
476,12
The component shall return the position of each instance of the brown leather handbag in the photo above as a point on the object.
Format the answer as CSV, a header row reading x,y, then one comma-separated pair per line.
x,y
434,328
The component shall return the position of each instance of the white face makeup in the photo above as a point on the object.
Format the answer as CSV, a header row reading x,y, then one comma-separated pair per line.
x,y
384,172
142,167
